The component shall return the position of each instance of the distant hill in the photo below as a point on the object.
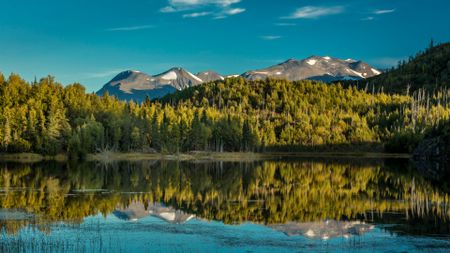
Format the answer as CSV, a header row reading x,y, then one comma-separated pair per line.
x,y
429,69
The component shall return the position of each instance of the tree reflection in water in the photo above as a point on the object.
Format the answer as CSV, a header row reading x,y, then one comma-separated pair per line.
x,y
296,196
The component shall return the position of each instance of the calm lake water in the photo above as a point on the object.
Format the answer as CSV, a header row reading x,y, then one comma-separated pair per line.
x,y
283,205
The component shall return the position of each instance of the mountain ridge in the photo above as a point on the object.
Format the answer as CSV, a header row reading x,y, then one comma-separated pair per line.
x,y
136,85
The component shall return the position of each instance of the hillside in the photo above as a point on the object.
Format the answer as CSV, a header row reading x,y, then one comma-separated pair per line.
x,y
429,69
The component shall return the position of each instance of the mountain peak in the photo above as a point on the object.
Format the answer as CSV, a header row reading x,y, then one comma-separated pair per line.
x,y
209,76
125,75
290,60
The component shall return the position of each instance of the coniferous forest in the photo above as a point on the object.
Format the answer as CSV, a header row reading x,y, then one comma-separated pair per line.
x,y
235,114
231,115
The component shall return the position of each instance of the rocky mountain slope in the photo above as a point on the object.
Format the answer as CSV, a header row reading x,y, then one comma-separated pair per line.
x,y
209,76
325,69
135,85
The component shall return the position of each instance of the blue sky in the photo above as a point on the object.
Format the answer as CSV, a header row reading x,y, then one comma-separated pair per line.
x,y
90,41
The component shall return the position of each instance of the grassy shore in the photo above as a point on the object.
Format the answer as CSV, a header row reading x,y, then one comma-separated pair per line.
x,y
30,157
197,156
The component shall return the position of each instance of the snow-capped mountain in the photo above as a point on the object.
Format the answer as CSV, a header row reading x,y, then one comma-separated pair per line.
x,y
325,69
209,76
177,78
135,85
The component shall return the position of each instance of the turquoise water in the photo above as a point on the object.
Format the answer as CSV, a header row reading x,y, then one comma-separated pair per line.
x,y
270,206
150,234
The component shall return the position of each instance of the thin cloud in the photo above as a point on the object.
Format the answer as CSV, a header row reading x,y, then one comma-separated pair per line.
x,y
217,8
285,24
102,74
234,11
130,28
197,14
311,12
380,12
183,3
168,9
220,17
271,37
368,18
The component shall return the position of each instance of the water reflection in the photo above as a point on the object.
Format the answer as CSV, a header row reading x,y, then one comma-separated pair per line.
x,y
313,198
324,229
137,210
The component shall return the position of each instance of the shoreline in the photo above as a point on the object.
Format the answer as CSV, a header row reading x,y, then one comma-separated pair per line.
x,y
198,156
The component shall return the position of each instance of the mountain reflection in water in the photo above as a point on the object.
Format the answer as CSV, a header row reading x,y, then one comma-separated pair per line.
x,y
137,210
312,198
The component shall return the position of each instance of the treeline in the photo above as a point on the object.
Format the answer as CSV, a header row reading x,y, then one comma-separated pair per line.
x,y
429,70
229,115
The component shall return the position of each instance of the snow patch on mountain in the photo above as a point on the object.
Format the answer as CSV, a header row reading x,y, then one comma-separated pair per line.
x,y
311,62
171,75
355,72
195,77
375,71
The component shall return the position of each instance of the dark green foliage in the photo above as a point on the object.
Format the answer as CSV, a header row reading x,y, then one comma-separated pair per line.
x,y
403,142
428,70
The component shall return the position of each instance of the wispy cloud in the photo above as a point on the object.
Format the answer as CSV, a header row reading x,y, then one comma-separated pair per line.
x,y
217,8
285,24
368,18
196,14
195,3
380,12
168,9
271,37
101,74
234,11
130,28
311,12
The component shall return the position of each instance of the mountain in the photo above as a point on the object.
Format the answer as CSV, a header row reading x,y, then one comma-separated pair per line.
x,y
209,76
135,85
177,78
318,68
429,69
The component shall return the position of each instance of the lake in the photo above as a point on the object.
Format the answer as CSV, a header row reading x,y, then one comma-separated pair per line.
x,y
278,205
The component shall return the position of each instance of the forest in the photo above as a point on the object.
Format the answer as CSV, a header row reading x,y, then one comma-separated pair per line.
x,y
231,115
428,69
